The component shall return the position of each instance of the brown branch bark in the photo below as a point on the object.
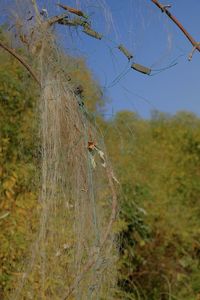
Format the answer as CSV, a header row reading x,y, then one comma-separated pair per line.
x,y
72,10
180,26
21,60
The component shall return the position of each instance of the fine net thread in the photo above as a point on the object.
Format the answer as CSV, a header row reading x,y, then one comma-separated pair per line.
x,y
75,253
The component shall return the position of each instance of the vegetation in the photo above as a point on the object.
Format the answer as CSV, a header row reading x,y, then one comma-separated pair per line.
x,y
157,162
18,161
158,165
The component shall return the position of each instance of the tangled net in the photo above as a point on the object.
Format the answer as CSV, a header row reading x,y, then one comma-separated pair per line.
x,y
74,254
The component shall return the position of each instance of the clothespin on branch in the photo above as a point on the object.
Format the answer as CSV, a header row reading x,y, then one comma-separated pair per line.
x,y
125,52
72,22
89,31
141,69
56,19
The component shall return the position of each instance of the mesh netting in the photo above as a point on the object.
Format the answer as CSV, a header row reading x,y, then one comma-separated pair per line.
x,y
74,254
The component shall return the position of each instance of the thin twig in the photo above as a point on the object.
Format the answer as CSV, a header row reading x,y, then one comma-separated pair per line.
x,y
180,26
21,60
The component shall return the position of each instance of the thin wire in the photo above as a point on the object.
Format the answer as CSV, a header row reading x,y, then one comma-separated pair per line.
x,y
163,70
173,64
118,78
139,96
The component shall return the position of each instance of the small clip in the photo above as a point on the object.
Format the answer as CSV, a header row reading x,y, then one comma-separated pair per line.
x,y
71,22
164,7
44,12
125,52
193,50
141,69
92,33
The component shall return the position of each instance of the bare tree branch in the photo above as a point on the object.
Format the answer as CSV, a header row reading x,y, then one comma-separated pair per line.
x,y
164,9
21,60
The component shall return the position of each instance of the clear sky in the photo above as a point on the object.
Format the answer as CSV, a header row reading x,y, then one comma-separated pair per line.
x,y
153,40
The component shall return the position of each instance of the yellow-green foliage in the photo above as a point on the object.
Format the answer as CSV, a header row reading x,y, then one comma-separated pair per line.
x,y
158,163
18,146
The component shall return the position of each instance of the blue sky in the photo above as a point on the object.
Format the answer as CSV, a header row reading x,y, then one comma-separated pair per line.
x,y
153,40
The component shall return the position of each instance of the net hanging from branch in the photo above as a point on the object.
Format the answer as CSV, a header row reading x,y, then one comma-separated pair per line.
x,y
74,254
